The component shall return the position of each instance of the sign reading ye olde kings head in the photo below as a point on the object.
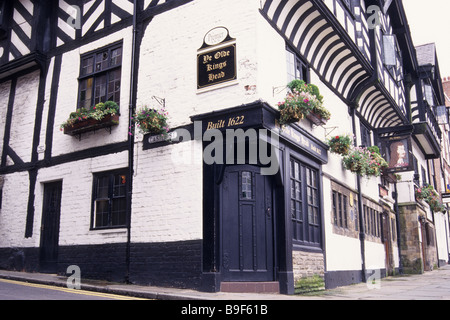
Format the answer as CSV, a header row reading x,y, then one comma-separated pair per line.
x,y
216,59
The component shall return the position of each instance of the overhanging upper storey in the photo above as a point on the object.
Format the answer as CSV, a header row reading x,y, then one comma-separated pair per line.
x,y
334,38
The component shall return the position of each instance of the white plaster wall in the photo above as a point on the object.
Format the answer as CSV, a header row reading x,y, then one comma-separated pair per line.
x,y
375,255
441,224
342,253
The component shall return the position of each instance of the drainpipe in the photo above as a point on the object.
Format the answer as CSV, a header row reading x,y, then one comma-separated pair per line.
x,y
131,108
362,235
397,225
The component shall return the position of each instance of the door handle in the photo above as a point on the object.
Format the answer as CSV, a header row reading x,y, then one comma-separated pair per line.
x,y
268,212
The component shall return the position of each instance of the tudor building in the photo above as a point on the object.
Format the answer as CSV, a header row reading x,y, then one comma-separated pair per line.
x,y
229,196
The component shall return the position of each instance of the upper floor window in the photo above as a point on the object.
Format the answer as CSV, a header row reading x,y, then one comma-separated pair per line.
x,y
344,14
365,136
392,56
296,68
3,18
100,75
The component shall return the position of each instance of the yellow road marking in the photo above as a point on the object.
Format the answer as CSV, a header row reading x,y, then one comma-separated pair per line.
x,y
74,291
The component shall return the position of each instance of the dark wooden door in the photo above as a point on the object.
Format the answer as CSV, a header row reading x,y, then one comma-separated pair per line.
x,y
50,227
247,225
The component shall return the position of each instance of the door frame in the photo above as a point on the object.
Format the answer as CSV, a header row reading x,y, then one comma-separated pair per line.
x,y
52,239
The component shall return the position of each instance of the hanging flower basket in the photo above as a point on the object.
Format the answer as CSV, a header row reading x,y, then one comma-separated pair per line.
x,y
365,162
103,115
303,101
151,121
430,196
340,144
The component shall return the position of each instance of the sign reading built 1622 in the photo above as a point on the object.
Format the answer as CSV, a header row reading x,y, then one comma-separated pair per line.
x,y
216,64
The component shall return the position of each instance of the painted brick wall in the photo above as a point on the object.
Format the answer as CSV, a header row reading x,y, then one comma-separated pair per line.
x,y
68,97
169,55
14,211
23,118
76,200
167,194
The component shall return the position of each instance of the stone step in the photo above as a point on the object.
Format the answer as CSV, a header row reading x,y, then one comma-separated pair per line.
x,y
250,287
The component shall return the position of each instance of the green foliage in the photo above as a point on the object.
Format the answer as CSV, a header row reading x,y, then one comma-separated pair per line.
x,y
98,113
152,121
430,196
365,162
340,144
309,284
302,100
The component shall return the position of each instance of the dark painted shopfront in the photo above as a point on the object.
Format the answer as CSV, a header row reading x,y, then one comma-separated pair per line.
x,y
261,204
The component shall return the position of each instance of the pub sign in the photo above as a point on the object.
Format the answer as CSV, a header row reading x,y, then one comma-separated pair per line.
x,y
398,154
216,59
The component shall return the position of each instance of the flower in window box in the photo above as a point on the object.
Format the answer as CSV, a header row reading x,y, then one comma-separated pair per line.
x,y
303,101
83,120
152,121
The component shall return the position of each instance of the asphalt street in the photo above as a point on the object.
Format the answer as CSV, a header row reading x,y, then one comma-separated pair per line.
x,y
17,290
433,285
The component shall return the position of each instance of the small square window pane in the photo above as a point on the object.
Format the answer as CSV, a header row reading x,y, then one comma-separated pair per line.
x,y
247,185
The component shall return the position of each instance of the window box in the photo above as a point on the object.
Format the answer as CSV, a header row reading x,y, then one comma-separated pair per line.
x,y
316,119
88,125
103,115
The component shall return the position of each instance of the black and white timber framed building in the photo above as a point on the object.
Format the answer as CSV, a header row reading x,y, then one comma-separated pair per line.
x,y
124,206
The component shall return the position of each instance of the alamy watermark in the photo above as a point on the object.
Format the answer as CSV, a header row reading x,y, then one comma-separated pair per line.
x,y
231,147
373,16
74,19
374,280
74,280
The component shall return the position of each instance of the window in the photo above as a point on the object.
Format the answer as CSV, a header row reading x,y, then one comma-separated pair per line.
x,y
109,200
305,204
392,56
343,12
3,20
246,185
365,136
296,68
340,210
372,222
100,76
424,177
313,196
394,230
416,178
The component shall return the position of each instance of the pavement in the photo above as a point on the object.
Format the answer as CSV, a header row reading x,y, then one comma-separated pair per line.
x,y
433,285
